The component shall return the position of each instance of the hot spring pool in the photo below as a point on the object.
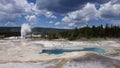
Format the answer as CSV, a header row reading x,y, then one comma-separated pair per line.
x,y
60,51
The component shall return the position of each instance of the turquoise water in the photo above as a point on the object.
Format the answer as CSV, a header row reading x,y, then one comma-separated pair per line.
x,y
60,51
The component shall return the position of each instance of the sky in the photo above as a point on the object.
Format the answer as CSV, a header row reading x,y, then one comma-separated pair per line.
x,y
59,13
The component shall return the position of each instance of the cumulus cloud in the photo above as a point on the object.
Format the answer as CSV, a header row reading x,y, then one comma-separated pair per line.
x,y
71,24
110,10
74,11
48,14
57,23
50,22
65,6
83,15
44,12
10,10
32,19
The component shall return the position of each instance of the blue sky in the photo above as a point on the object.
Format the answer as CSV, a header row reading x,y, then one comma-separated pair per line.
x,y
59,13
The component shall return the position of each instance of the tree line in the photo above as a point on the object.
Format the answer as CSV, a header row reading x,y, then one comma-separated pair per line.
x,y
107,31
87,32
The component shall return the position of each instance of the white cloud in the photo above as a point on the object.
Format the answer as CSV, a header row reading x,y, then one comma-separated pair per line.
x,y
66,19
32,19
50,22
110,10
57,23
86,14
10,24
48,14
66,27
71,24
44,12
11,10
83,26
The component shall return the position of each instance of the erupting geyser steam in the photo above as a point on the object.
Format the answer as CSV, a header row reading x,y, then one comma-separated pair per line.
x,y
25,29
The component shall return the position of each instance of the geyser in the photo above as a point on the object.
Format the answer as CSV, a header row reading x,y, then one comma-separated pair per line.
x,y
25,29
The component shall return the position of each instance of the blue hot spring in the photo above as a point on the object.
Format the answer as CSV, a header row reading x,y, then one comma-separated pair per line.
x,y
60,51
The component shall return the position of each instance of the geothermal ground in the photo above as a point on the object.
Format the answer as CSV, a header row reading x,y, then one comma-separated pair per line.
x,y
26,53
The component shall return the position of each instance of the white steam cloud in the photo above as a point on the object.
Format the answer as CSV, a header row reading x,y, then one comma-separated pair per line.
x,y
25,29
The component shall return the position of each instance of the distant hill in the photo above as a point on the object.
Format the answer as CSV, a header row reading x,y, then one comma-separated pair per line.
x,y
41,30
15,31
9,29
